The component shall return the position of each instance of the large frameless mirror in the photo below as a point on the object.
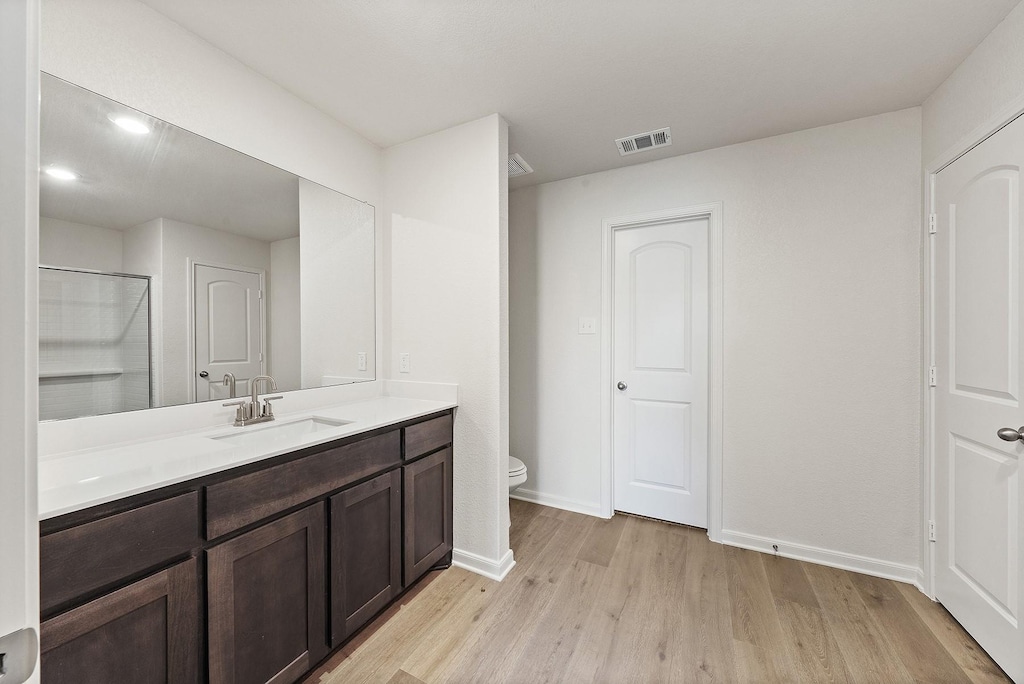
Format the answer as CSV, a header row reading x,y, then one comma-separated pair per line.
x,y
174,269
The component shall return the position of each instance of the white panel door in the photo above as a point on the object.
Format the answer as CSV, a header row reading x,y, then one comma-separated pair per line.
x,y
979,505
660,356
228,330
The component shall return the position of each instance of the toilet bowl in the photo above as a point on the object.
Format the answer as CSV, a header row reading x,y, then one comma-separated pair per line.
x,y
516,473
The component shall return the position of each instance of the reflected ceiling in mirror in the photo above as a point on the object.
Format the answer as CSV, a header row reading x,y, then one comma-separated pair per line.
x,y
245,269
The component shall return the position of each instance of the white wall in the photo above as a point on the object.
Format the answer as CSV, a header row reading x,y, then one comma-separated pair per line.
x,y
822,336
142,250
77,245
19,220
445,216
285,345
337,281
988,84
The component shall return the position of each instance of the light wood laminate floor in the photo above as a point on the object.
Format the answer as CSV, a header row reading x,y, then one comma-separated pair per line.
x,y
634,600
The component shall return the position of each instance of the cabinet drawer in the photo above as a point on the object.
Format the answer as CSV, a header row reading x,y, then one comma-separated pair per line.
x,y
82,559
249,498
424,437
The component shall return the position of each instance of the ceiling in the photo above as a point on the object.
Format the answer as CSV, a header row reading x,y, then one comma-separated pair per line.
x,y
126,180
570,76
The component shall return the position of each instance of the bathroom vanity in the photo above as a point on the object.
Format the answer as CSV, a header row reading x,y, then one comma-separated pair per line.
x,y
255,572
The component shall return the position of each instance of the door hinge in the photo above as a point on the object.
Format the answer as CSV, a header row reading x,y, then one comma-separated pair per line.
x,y
933,224
932,377
261,294
931,530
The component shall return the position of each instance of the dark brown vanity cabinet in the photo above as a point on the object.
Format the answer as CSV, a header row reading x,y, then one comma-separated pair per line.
x,y
265,594
427,486
247,575
145,632
366,552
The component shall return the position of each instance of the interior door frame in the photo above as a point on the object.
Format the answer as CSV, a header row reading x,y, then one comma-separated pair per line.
x,y
190,322
926,576
716,259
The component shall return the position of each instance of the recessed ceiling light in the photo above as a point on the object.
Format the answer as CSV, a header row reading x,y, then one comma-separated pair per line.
x,y
130,124
60,174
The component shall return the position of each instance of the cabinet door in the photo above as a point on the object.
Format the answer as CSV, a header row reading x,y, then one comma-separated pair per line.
x,y
266,601
427,485
146,632
366,552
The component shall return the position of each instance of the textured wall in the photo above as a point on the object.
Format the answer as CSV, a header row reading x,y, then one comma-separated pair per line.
x,y
337,285
822,336
982,87
77,245
285,307
444,216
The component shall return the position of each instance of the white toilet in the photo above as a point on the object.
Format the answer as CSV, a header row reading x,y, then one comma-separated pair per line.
x,y
516,473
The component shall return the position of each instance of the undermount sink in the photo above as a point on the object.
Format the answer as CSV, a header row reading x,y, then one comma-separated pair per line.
x,y
281,433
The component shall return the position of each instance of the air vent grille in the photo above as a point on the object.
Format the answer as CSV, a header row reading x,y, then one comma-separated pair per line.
x,y
518,167
644,141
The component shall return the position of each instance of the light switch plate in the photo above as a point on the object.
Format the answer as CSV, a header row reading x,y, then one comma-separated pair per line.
x,y
588,326
403,362
362,361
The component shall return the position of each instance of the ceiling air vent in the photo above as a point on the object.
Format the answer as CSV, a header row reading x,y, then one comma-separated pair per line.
x,y
518,167
644,141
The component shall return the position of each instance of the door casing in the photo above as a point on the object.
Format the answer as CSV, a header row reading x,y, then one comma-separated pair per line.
x,y
713,213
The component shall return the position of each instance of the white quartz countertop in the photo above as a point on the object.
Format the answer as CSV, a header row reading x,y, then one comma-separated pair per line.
x,y
72,481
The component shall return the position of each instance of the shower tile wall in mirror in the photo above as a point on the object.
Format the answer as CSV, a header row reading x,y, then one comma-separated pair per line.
x,y
170,263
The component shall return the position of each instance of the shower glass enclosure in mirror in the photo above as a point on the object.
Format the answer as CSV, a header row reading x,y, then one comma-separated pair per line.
x,y
170,263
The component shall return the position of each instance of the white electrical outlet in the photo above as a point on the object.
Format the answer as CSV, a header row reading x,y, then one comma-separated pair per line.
x,y
403,362
362,361
588,326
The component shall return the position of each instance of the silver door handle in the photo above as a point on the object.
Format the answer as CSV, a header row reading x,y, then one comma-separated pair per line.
x,y
204,374
1011,435
622,386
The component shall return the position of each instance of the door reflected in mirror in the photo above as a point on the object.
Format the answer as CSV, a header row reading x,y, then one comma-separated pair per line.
x,y
245,269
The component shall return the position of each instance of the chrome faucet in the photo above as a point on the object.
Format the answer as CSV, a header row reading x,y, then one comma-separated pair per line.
x,y
250,412
229,382
254,385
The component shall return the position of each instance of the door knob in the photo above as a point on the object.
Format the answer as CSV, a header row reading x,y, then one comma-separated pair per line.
x,y
622,386
204,374
1011,435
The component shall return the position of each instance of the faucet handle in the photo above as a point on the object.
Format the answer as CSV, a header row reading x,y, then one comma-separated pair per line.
x,y
242,412
268,410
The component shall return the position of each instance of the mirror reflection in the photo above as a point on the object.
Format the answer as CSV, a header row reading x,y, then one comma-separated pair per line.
x,y
174,269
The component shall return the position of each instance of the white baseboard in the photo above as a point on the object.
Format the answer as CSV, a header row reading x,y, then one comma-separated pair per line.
x,y
836,559
484,566
557,502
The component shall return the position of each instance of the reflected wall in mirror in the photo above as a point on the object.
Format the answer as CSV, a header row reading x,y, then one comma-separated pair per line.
x,y
170,263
